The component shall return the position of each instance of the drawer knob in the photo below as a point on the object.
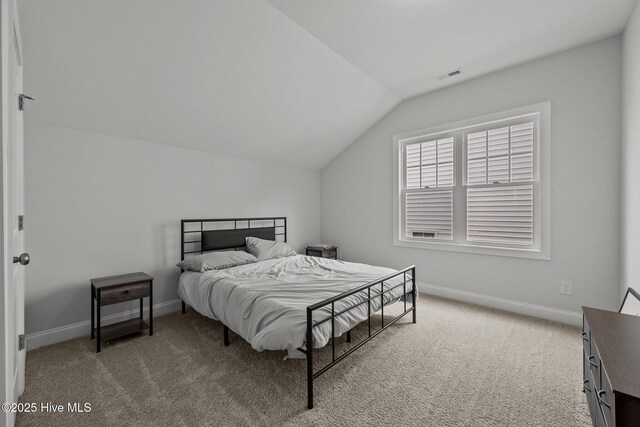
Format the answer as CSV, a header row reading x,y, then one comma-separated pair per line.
x,y
585,386
584,336
600,393
126,291
591,362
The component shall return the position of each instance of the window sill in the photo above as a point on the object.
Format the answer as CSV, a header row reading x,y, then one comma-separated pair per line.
x,y
476,249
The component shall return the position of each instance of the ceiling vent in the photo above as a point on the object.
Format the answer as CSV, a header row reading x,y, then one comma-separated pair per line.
x,y
449,74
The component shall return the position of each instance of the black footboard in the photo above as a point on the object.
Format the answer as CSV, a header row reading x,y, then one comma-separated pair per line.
x,y
408,275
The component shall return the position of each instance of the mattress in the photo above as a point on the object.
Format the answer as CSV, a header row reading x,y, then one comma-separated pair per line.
x,y
265,302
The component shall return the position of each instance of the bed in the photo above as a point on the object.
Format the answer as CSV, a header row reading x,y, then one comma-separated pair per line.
x,y
287,303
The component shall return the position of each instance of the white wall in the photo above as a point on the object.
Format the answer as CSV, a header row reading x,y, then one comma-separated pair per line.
x,y
583,85
99,205
631,153
196,74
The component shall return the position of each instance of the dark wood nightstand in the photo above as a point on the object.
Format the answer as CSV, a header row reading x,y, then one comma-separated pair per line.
x,y
326,252
116,289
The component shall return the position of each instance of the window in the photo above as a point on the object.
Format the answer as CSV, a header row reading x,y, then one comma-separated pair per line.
x,y
480,186
429,193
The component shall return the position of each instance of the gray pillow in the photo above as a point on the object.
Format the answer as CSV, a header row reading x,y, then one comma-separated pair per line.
x,y
268,249
216,261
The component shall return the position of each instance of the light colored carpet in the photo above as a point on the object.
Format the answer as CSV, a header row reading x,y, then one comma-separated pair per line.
x,y
461,365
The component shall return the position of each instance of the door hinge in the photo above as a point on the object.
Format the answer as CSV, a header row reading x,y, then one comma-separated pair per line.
x,y
21,342
20,222
21,99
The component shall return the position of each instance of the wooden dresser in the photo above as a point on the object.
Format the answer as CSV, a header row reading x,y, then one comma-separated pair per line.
x,y
611,370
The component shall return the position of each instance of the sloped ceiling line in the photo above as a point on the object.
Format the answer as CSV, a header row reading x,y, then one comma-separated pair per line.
x,y
291,82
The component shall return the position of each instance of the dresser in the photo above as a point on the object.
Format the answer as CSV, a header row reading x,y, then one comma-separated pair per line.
x,y
611,367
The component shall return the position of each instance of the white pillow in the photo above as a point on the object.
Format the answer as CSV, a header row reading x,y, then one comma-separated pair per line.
x,y
216,261
268,249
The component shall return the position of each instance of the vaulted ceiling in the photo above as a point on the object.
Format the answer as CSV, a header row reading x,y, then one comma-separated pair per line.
x,y
284,81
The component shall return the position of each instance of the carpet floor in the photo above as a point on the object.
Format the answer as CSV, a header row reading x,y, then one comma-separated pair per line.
x,y
460,365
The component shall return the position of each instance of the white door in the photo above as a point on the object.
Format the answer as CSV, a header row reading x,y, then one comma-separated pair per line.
x,y
13,205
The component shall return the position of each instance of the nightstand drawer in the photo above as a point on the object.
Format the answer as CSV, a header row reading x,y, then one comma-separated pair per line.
x,y
330,252
131,291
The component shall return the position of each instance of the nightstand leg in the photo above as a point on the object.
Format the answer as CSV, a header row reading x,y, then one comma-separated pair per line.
x,y
98,322
92,314
141,307
150,308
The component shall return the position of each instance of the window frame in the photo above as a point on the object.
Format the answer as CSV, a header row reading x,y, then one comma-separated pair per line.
x,y
437,188
507,122
541,248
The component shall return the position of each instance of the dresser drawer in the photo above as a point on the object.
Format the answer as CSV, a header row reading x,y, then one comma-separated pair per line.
x,y
600,422
587,375
606,399
586,337
593,365
116,294
590,394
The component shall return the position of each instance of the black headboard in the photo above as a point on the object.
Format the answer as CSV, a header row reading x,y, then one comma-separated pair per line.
x,y
203,235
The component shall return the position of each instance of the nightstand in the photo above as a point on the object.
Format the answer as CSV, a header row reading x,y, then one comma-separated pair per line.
x,y
117,289
326,252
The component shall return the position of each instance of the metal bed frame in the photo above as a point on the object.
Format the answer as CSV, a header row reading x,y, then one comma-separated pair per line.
x,y
233,238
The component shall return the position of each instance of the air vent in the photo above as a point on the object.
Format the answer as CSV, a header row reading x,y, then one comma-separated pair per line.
x,y
449,74
430,234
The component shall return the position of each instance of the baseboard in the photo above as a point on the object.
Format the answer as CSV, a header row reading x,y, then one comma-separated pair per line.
x,y
557,315
68,332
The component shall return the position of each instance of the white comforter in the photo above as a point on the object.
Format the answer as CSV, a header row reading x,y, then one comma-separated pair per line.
x,y
265,303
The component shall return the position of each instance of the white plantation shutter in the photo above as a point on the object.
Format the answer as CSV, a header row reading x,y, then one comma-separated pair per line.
x,y
477,158
430,214
497,210
479,187
498,156
428,170
413,166
429,164
445,162
500,214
